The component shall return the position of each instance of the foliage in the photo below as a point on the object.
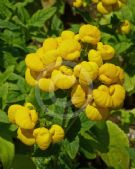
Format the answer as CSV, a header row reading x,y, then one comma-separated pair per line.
x,y
88,144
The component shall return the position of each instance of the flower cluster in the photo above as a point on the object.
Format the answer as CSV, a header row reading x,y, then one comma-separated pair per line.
x,y
95,83
103,6
26,117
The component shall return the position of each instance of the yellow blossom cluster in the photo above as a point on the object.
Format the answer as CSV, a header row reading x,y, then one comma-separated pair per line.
x,y
103,6
95,83
26,117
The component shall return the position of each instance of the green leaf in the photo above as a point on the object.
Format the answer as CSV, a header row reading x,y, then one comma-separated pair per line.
x,y
6,150
4,76
41,16
4,94
3,117
117,155
23,162
71,147
122,46
8,25
129,83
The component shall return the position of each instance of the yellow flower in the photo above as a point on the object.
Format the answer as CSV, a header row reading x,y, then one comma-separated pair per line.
x,y
78,96
77,37
31,77
107,52
26,136
110,2
29,106
34,62
63,79
112,96
70,49
89,34
77,3
118,5
40,52
95,1
86,72
123,1
67,35
57,133
96,113
125,27
50,44
50,57
46,84
95,56
42,137
11,112
26,118
104,9
109,74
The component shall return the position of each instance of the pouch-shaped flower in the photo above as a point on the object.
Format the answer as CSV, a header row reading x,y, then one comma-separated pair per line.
x,y
95,56
89,34
78,96
11,112
42,137
86,72
57,133
46,84
34,62
70,49
63,78
26,118
31,77
26,136
96,113
107,52
110,74
110,97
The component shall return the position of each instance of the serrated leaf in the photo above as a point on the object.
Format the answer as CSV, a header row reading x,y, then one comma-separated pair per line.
x,y
8,25
117,155
71,147
4,76
41,16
